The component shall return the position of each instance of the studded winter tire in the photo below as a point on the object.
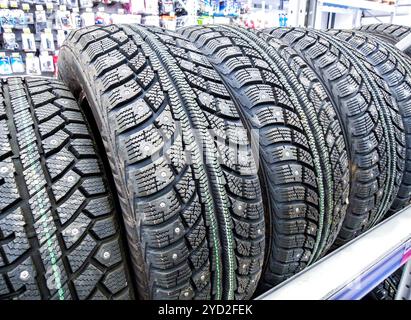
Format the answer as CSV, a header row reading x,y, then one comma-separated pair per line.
x,y
180,157
303,158
387,289
59,231
395,68
388,33
372,124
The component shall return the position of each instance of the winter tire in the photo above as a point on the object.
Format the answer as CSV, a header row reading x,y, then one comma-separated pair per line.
x,y
372,124
303,159
387,289
59,231
180,157
390,33
395,68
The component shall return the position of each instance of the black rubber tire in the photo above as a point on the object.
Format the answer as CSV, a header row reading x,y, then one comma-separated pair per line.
x,y
208,241
303,159
395,68
387,289
387,32
59,234
371,119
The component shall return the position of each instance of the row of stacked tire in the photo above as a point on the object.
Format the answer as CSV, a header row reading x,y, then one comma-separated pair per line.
x,y
212,163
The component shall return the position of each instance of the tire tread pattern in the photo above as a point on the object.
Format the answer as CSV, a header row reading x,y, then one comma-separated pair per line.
x,y
394,67
59,234
390,33
270,106
371,119
159,94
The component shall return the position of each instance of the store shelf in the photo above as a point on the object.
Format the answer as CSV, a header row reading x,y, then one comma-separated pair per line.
x,y
356,268
359,4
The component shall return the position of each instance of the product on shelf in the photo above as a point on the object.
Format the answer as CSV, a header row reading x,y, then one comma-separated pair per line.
x,y
43,25
47,41
166,7
5,66
41,22
388,32
17,64
6,19
28,42
55,61
32,65
9,40
76,19
63,20
278,103
46,62
205,221
399,86
20,19
371,118
61,36
168,22
29,18
54,187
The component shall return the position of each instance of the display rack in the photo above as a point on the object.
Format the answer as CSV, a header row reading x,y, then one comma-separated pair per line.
x,y
354,269
36,29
